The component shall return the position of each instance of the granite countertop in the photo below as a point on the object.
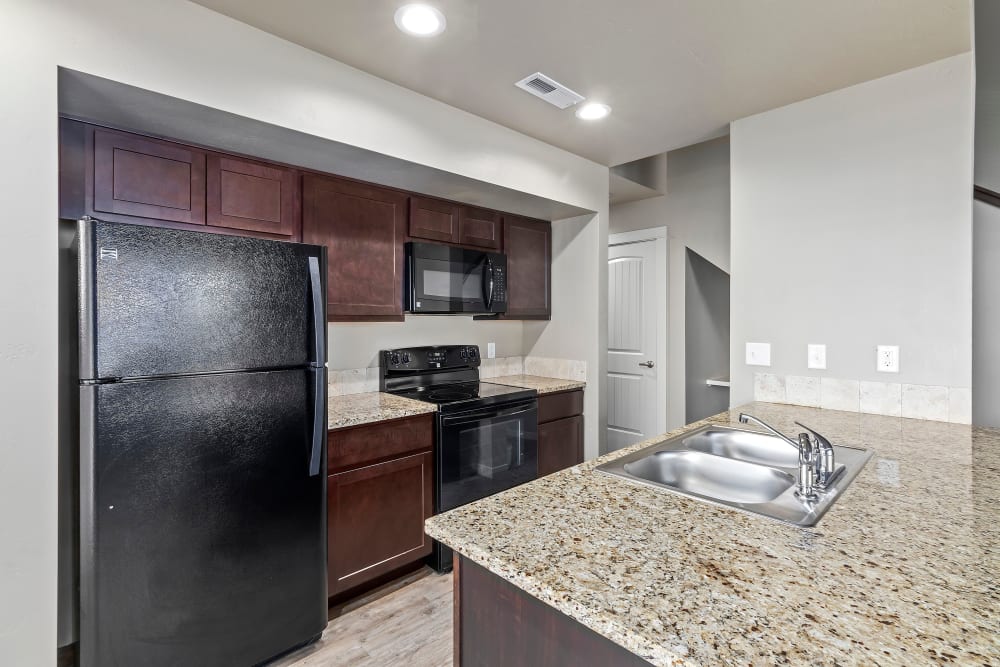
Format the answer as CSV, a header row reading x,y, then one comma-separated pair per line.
x,y
373,406
544,385
901,570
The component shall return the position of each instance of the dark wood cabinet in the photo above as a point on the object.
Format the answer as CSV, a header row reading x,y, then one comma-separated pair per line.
x,y
148,178
499,625
560,431
560,444
364,229
375,517
379,493
528,245
434,220
481,228
255,197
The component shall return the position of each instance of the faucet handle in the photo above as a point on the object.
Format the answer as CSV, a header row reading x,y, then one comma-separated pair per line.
x,y
820,440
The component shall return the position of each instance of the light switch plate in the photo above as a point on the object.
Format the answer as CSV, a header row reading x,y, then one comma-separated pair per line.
x,y
887,359
816,356
491,350
758,354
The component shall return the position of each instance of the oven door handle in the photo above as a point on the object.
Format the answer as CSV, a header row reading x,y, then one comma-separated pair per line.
x,y
466,417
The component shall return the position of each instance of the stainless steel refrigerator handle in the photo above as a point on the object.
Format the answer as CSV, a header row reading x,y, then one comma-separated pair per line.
x,y
319,389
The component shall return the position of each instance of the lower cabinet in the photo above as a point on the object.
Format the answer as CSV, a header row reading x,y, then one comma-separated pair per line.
x,y
376,510
560,431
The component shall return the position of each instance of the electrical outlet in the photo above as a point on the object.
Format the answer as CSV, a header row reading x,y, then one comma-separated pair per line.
x,y
816,356
491,350
887,359
758,354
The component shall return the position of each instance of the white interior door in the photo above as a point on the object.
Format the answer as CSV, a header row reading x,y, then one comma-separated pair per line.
x,y
636,343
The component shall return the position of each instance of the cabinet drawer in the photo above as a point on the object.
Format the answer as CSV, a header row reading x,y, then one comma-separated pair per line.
x,y
367,443
560,405
375,517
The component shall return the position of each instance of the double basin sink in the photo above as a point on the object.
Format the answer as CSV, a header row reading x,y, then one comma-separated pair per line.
x,y
745,470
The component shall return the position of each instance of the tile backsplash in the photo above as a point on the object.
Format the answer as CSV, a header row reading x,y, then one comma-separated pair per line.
x,y
362,380
916,401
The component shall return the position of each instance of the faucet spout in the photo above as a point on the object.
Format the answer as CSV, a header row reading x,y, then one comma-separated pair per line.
x,y
745,419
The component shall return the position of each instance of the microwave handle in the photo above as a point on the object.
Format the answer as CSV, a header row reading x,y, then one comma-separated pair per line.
x,y
488,282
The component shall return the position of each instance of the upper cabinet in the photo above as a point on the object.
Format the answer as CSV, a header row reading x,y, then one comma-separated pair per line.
x,y
528,245
364,229
434,220
124,177
251,196
479,227
147,178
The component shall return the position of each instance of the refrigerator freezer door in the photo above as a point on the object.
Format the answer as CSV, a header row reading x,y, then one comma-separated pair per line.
x,y
166,302
203,535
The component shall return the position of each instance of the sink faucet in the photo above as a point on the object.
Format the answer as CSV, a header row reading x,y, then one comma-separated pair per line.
x,y
816,458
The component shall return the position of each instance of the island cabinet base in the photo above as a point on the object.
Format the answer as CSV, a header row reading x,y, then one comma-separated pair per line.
x,y
499,625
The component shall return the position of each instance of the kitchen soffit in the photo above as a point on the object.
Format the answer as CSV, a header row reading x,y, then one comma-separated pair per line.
x,y
675,72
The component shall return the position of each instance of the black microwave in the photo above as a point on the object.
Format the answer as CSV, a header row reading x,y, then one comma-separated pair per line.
x,y
444,280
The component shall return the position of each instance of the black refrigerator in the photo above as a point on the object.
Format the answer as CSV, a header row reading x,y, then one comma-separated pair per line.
x,y
202,446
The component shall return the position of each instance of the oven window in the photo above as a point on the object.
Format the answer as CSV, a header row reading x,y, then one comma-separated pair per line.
x,y
485,456
453,285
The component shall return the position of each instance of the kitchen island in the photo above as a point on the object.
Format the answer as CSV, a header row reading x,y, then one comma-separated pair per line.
x,y
903,568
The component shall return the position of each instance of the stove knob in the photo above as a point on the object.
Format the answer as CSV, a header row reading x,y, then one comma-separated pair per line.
x,y
465,353
472,353
394,358
406,358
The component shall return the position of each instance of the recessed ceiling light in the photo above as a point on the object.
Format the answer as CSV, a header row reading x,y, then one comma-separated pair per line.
x,y
420,20
593,111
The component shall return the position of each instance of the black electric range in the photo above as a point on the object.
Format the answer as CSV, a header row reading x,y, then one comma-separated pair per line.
x,y
486,433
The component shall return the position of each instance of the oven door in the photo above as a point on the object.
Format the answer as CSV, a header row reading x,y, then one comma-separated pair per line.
x,y
445,279
485,451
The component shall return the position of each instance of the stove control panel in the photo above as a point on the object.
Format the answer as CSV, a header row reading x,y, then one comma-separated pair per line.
x,y
429,358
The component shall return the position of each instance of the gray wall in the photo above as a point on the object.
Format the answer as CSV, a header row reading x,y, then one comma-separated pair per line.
x,y
706,324
986,316
695,211
988,94
356,345
852,226
986,233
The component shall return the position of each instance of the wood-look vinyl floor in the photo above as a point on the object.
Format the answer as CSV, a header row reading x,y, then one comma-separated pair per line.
x,y
407,623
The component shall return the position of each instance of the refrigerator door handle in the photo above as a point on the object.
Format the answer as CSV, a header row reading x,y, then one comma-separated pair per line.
x,y
319,377
319,412
319,321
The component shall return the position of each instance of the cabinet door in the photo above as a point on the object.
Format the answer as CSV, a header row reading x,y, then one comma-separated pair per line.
x,y
363,228
434,220
528,245
480,227
560,444
376,519
148,178
252,196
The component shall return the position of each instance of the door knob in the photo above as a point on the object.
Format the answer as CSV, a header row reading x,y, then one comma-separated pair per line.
x,y
647,364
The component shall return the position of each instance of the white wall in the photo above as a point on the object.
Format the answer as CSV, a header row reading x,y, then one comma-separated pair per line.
x,y
186,51
852,226
695,211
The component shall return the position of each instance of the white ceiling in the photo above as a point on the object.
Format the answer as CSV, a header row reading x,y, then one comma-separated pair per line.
x,y
675,72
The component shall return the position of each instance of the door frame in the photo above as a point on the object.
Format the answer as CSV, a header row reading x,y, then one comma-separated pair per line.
x,y
659,237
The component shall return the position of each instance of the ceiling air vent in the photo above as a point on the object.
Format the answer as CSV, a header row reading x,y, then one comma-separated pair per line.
x,y
549,90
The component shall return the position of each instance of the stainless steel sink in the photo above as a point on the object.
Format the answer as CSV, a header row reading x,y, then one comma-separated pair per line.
x,y
745,470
